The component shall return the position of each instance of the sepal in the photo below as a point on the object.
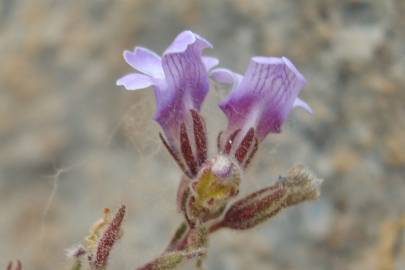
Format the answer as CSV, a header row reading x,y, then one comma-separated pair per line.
x,y
191,152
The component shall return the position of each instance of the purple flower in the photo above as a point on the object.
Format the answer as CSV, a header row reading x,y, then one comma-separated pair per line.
x,y
180,82
259,101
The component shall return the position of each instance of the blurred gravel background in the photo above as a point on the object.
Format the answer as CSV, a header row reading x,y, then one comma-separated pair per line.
x,y
71,142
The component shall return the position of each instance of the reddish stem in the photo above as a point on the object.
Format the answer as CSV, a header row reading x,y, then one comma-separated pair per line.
x,y
216,226
178,237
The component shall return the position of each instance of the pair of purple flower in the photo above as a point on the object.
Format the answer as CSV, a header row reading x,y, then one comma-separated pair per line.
x,y
258,103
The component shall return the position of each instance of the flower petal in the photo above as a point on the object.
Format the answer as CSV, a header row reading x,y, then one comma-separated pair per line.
x,y
134,81
145,61
210,62
179,79
186,79
265,95
302,104
184,40
225,76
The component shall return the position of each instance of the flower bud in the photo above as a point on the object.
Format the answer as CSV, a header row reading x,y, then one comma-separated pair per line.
x,y
299,185
107,240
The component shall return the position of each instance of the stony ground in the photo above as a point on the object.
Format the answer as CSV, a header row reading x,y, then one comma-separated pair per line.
x,y
71,142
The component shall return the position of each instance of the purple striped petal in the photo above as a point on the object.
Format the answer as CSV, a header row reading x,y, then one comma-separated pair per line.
x,y
135,81
145,61
186,81
264,97
180,82
210,62
226,76
183,40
